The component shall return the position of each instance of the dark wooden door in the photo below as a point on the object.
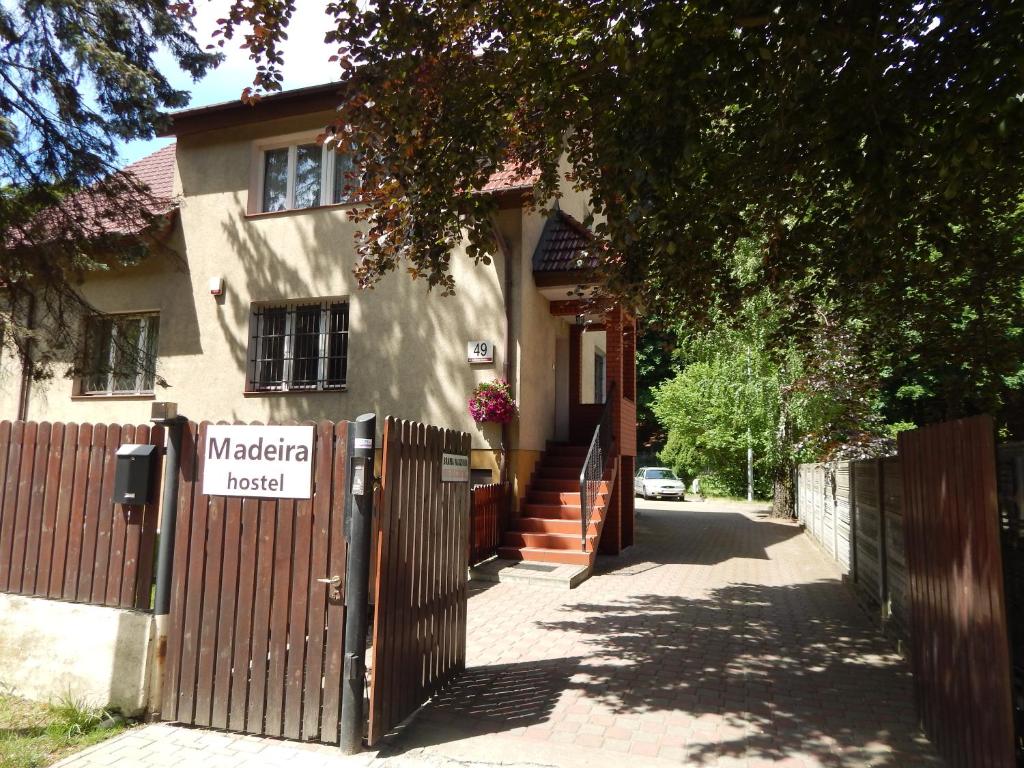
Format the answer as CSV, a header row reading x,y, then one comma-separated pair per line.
x,y
959,650
256,634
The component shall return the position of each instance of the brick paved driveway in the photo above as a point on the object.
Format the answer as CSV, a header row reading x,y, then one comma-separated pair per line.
x,y
723,638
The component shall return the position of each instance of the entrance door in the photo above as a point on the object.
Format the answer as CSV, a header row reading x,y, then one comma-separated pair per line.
x,y
562,388
256,636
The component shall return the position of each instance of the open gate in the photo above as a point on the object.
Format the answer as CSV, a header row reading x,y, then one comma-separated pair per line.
x,y
256,635
421,547
959,650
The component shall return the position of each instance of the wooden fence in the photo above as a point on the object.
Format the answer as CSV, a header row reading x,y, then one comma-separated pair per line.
x,y
419,630
256,639
854,511
488,520
959,651
61,535
1010,481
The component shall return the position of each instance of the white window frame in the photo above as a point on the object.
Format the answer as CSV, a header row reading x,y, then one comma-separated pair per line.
x,y
291,143
256,342
140,375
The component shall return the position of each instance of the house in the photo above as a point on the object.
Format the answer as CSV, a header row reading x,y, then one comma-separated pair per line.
x,y
253,314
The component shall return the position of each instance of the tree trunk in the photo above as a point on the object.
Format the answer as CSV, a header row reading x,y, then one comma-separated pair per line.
x,y
782,495
782,480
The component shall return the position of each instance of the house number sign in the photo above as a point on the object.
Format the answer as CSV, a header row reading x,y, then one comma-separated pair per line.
x,y
259,461
480,352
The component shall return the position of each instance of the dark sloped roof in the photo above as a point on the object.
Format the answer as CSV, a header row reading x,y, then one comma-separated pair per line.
x,y
563,245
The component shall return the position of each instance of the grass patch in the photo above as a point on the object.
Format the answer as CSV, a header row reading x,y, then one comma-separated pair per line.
x,y
34,734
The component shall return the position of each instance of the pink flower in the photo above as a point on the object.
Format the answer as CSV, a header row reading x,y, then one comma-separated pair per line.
x,y
492,401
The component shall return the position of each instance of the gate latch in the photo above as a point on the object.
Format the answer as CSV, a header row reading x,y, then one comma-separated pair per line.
x,y
335,588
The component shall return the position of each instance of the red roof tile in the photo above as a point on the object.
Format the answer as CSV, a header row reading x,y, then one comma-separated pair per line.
x,y
156,171
509,179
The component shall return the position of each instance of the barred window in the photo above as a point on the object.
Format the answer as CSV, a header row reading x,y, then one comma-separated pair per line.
x,y
120,354
299,346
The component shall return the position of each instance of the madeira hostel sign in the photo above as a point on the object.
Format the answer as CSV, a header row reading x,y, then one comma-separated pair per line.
x,y
252,460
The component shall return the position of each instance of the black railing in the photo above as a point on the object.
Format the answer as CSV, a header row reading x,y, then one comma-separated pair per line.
x,y
592,474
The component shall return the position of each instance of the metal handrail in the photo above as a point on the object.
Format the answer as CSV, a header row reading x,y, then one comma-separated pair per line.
x,y
592,473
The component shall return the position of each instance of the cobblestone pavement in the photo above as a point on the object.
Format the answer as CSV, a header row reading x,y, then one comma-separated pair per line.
x,y
723,638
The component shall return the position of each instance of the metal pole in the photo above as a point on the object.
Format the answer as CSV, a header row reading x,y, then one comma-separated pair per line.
x,y
169,517
165,556
357,579
750,440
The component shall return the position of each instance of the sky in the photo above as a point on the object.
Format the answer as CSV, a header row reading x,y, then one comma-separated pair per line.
x,y
305,56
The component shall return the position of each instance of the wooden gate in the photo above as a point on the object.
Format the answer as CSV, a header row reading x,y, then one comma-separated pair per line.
x,y
959,646
419,630
256,640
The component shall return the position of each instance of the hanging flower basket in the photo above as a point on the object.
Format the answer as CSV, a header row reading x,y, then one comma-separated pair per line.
x,y
491,401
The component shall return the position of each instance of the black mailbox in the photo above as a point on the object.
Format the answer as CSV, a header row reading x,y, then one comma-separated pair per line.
x,y
134,470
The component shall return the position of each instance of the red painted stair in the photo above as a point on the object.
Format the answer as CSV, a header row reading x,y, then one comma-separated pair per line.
x,y
549,527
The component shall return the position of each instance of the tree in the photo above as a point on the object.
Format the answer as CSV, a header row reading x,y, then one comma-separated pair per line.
x,y
870,151
76,79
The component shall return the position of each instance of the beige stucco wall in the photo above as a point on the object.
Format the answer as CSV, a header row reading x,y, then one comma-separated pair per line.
x,y
407,347
50,649
10,380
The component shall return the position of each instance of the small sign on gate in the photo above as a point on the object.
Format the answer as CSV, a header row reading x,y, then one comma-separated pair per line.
x,y
454,468
259,461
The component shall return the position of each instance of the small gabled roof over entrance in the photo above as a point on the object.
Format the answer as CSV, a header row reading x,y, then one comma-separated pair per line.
x,y
563,255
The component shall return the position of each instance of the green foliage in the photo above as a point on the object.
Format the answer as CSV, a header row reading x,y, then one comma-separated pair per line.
x,y
34,734
712,410
71,717
864,160
75,79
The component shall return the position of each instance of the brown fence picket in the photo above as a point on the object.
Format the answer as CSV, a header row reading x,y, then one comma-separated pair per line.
x,y
334,639
62,521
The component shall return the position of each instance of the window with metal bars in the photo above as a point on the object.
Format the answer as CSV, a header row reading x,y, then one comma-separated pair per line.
x,y
298,346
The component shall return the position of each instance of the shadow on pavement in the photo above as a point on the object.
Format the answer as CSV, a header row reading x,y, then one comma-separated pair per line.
x,y
750,671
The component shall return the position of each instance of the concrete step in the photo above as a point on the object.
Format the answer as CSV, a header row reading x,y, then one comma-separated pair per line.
x,y
567,526
564,485
562,461
566,541
563,449
551,511
555,472
550,575
541,555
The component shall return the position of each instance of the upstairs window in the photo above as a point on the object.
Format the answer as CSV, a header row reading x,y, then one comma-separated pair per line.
x,y
298,346
304,175
120,354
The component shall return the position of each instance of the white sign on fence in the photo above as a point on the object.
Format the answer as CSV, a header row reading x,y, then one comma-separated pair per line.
x,y
253,460
454,468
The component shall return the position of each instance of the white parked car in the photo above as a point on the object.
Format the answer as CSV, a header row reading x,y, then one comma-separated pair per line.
x,y
658,483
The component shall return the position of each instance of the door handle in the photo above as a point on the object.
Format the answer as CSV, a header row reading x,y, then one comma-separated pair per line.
x,y
335,585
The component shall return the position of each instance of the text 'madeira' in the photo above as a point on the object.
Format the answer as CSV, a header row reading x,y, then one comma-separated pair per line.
x,y
259,461
454,468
